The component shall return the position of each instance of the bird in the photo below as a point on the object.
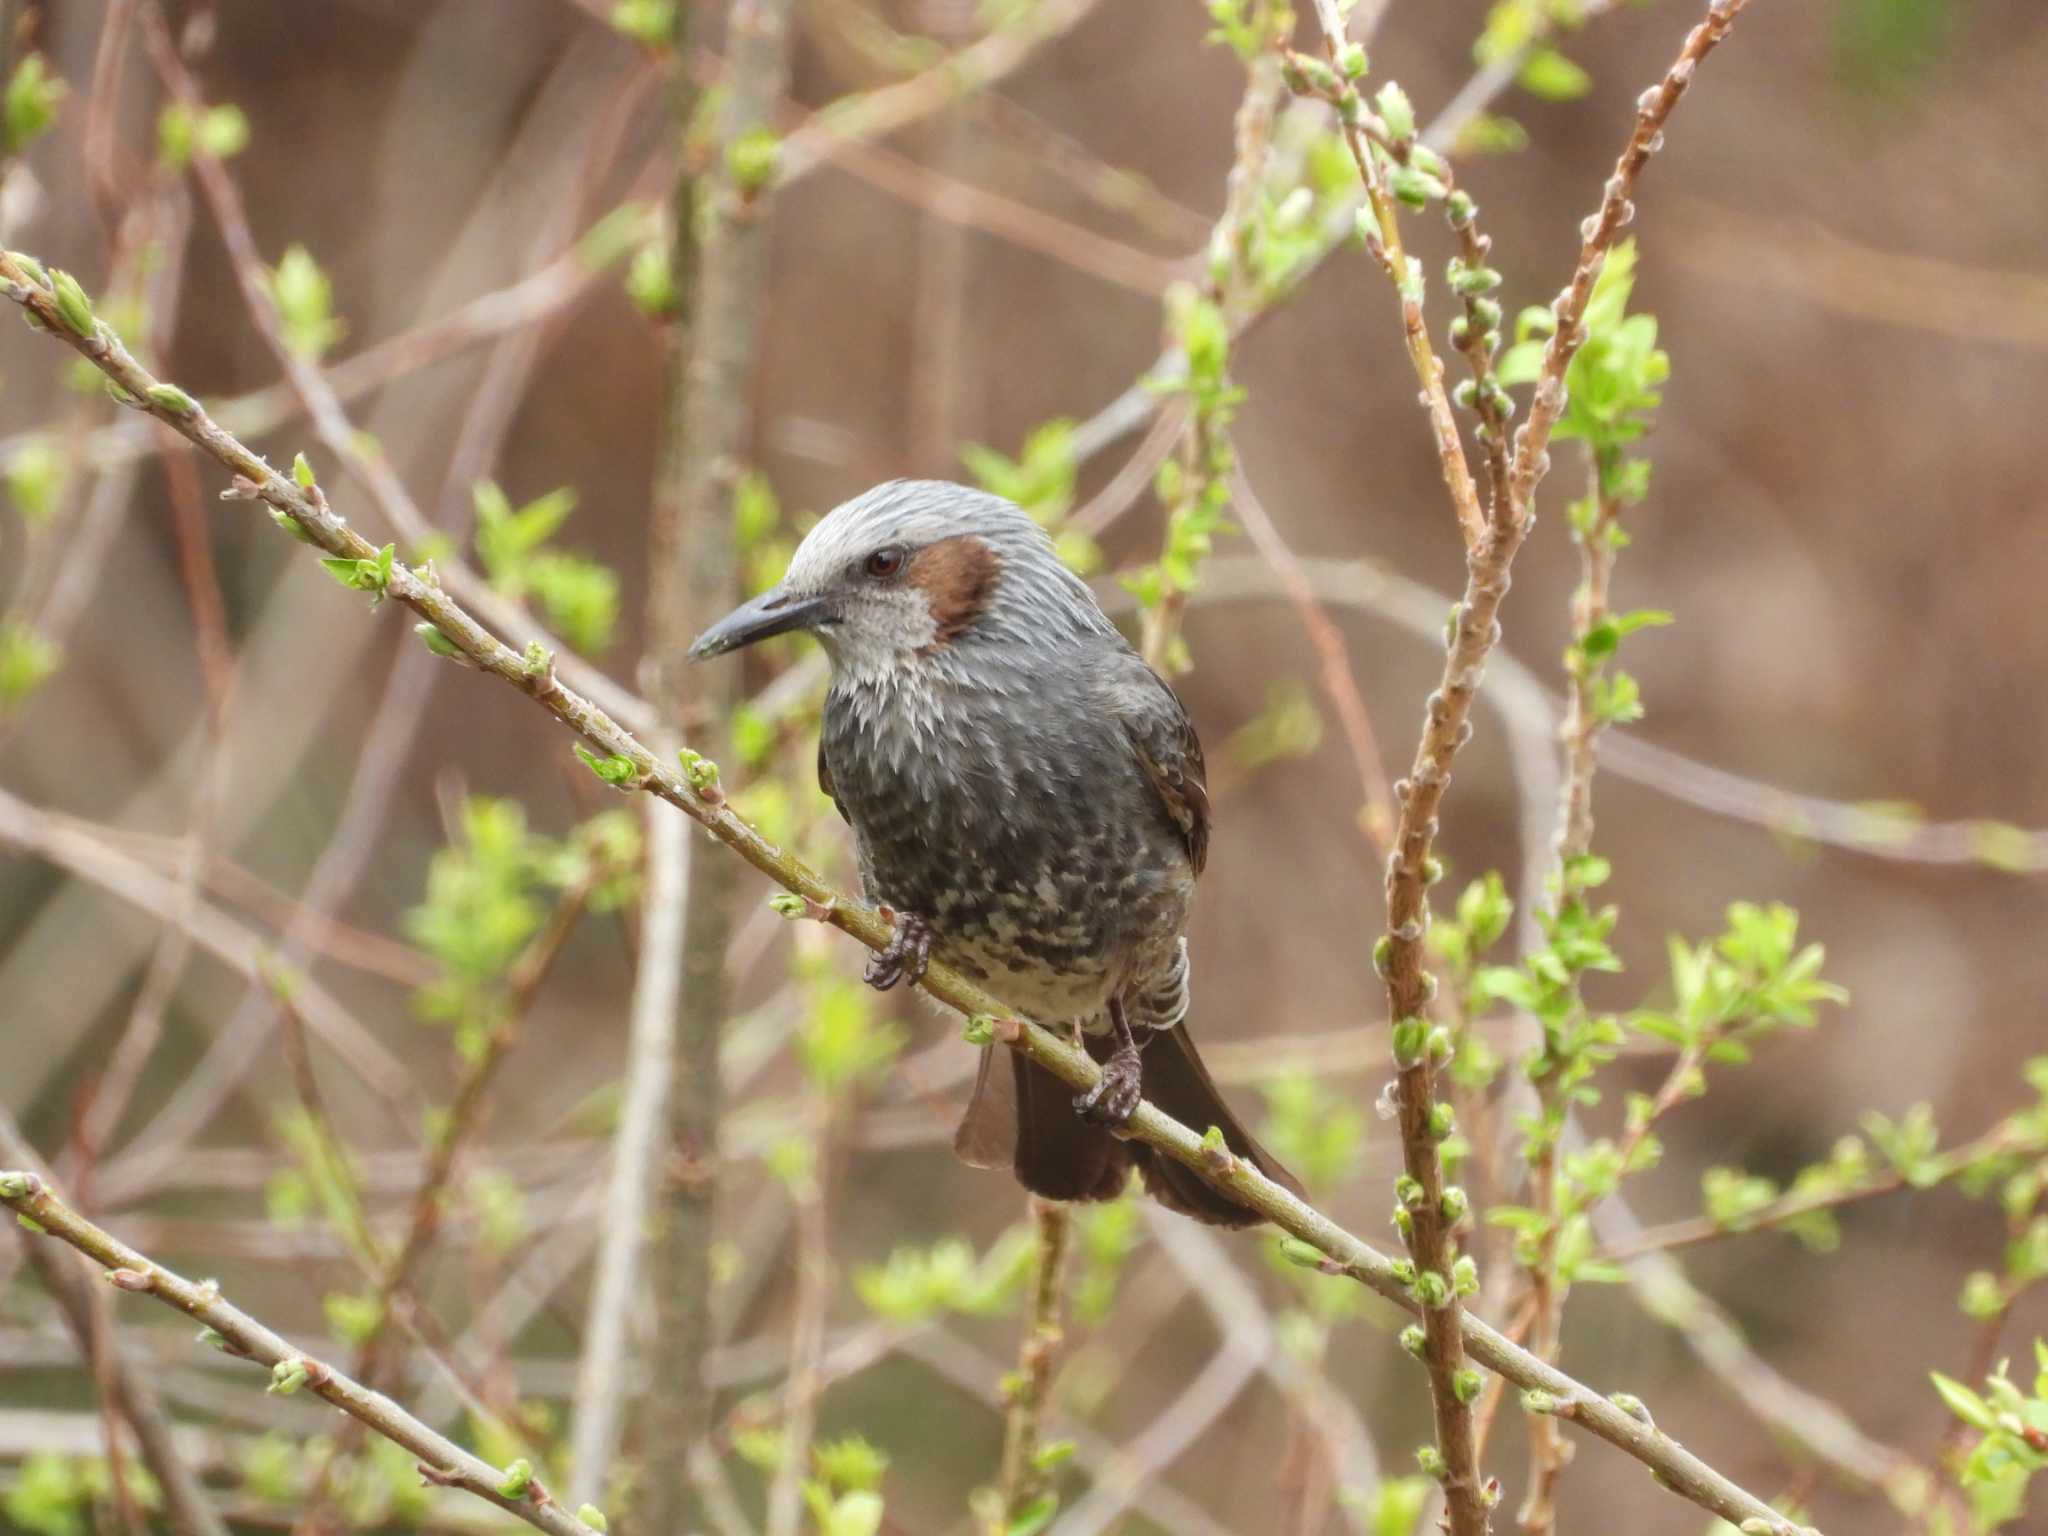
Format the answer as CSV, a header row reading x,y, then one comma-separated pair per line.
x,y
1027,798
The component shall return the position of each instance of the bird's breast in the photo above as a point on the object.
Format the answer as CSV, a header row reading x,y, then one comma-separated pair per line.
x,y
1027,842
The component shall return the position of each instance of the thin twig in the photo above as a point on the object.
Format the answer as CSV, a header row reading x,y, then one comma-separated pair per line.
x,y
442,1462
126,1384
1021,1480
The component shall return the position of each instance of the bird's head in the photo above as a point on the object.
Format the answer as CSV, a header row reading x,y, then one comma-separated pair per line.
x,y
915,570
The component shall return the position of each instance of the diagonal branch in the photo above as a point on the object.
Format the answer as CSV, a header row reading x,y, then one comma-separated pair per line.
x,y
442,1461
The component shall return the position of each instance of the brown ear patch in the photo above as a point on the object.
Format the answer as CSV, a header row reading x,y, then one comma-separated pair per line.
x,y
958,577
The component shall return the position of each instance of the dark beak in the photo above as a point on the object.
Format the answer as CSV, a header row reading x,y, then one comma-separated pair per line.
x,y
774,612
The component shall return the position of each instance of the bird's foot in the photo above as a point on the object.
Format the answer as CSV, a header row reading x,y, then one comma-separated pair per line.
x,y
1114,1098
908,953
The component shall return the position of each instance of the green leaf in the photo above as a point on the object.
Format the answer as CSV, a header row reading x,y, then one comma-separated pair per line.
x,y
1550,75
33,97
305,297
652,22
1964,1404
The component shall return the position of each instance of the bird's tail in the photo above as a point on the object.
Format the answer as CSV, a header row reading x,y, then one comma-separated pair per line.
x,y
1024,1119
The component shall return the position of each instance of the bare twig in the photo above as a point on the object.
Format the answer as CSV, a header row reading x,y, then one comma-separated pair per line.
x,y
1030,1386
887,109
442,1462
24,827
126,1385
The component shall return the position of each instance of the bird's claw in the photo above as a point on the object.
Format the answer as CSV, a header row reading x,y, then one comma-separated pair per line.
x,y
1115,1096
906,956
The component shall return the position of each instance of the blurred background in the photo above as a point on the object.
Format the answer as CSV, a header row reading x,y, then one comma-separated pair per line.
x,y
1842,245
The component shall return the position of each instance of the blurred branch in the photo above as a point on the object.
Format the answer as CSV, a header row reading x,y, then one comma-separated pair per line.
x,y
1340,683
443,1462
330,421
718,264
1881,831
1029,1387
629,765
636,1151
1804,258
29,830
805,1381
887,109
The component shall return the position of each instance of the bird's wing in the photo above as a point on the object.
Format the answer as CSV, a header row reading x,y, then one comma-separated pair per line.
x,y
825,783
1170,753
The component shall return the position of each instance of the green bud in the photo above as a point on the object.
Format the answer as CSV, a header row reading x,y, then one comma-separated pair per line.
x,y
619,772
1351,60
291,525
1383,953
538,660
593,1517
1404,1223
1295,1251
1442,1121
1539,1402
437,642
31,266
1408,1190
1432,870
518,1478
73,307
699,772
1465,1275
786,904
1415,188
302,471
979,1030
1403,1271
1631,1405
1396,111
1432,1289
1414,1340
168,397
213,1338
1471,282
15,1185
1411,1036
1439,1045
1213,1142
287,1376
1457,1205
1431,1460
1466,1385
753,159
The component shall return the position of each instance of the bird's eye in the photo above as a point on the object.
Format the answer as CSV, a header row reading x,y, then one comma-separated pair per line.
x,y
884,563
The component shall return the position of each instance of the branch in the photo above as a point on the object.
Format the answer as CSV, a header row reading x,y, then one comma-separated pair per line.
x,y
442,1462
718,267
127,1384
1021,1479
630,765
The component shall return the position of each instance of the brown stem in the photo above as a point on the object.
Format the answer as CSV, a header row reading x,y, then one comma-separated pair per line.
x,y
1020,1481
718,267
442,1461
